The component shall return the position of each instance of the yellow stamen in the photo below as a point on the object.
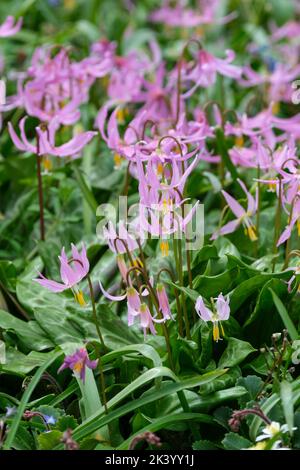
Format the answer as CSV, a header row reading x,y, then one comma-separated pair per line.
x,y
117,160
250,231
78,367
222,330
137,262
200,31
272,187
276,107
160,168
47,164
239,141
298,227
216,332
121,113
105,81
164,246
79,298
78,129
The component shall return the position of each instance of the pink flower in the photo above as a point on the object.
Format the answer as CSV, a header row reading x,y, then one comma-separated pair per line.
x,y
72,271
220,312
183,17
135,308
163,302
145,318
46,145
294,219
119,239
205,71
78,362
8,28
243,216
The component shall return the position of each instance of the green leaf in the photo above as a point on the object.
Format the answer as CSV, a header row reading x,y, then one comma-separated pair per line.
x,y
269,404
253,385
66,422
286,394
233,441
99,420
284,316
235,352
225,381
31,335
164,422
50,439
204,445
25,398
20,364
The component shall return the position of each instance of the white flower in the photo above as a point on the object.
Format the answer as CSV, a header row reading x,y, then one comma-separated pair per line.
x,y
271,430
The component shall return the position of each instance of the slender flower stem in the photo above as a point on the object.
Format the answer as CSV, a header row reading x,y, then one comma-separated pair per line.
x,y
288,243
179,73
100,366
40,189
277,222
178,262
127,181
178,306
258,209
95,312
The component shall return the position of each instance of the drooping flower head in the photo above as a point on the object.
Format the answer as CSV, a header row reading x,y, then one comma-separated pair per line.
x,y
243,216
72,271
220,311
78,362
9,27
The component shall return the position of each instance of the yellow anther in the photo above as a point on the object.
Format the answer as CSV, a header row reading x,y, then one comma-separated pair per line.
x,y
216,332
137,262
121,113
69,4
276,107
78,367
160,168
239,141
250,232
272,187
164,247
79,298
117,160
47,164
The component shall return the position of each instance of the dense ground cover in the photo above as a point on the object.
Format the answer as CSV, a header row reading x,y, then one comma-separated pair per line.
x,y
149,225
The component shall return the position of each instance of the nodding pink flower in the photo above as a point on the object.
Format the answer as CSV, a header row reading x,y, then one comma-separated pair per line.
x,y
46,137
205,71
289,30
118,240
9,27
163,302
78,362
181,16
220,311
296,274
125,146
72,271
122,267
294,219
135,308
145,318
243,216
279,80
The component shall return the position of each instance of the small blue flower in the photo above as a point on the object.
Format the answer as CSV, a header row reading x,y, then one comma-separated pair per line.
x,y
49,419
10,411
